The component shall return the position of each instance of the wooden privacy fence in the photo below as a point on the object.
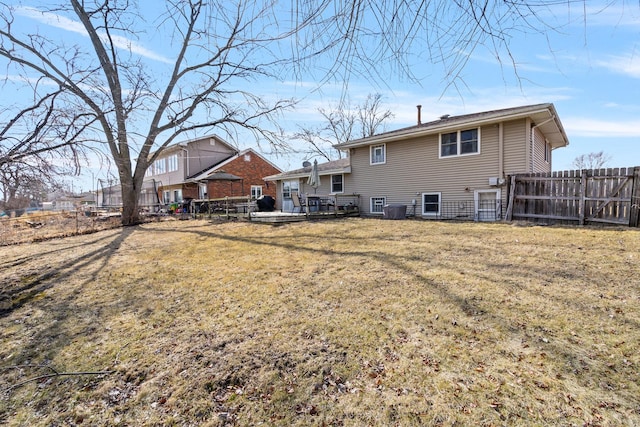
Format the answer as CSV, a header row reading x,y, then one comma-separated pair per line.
x,y
585,196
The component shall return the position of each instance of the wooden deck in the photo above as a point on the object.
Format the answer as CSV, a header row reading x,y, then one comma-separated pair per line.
x,y
279,216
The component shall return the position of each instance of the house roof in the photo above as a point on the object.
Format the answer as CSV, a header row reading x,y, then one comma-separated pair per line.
x,y
222,176
543,116
327,168
183,144
205,174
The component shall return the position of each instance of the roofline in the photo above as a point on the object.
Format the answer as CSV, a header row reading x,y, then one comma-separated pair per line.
x,y
202,175
452,123
305,174
185,143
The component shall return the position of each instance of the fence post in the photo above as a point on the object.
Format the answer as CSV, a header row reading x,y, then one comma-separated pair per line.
x,y
634,214
512,195
583,189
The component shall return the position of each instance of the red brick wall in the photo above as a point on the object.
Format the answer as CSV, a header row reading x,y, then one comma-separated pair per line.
x,y
252,171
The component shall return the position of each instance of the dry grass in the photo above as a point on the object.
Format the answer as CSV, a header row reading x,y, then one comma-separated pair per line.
x,y
44,225
352,322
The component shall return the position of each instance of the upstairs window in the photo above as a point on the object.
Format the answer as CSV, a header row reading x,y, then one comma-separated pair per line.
x,y
159,166
172,163
378,154
547,152
337,183
460,143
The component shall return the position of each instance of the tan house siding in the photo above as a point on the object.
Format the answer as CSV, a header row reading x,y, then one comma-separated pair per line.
x,y
206,152
515,147
456,178
413,166
540,164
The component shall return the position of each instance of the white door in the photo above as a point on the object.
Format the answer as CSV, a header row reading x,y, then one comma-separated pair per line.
x,y
487,205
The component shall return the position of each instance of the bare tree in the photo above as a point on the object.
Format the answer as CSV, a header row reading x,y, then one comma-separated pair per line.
x,y
38,146
594,160
136,106
344,123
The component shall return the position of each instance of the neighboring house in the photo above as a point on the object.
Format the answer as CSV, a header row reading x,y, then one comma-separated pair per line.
x,y
333,180
240,175
454,167
187,170
64,201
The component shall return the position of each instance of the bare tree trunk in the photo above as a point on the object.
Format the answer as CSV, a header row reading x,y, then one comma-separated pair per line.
x,y
130,202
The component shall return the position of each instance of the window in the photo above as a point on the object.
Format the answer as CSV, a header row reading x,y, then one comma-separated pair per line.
x,y
247,157
159,166
336,183
177,195
256,191
448,144
377,203
469,141
166,197
547,152
378,154
172,163
460,143
431,204
202,191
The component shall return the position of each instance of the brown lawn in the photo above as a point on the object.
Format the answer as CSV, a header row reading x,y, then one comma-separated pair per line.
x,y
337,323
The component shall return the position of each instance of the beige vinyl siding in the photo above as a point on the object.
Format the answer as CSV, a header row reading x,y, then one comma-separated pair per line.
x,y
539,146
324,189
202,155
175,177
515,147
413,167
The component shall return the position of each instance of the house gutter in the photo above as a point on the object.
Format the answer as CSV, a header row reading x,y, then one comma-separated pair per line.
x,y
412,132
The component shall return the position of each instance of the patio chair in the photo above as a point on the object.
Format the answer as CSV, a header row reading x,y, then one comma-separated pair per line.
x,y
298,205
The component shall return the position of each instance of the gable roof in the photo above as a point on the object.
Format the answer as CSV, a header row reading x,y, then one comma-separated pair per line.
x,y
543,116
205,174
327,168
169,149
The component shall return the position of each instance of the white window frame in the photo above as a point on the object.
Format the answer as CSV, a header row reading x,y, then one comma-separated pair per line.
x,y
422,203
547,152
377,201
458,144
333,189
177,195
159,166
166,197
256,192
172,163
374,160
202,191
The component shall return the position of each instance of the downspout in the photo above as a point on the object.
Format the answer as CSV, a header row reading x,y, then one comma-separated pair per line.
x,y
186,161
501,149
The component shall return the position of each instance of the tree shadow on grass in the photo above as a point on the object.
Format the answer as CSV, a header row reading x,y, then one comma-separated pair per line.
x,y
21,286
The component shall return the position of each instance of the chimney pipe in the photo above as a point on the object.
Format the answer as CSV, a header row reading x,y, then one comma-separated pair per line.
x,y
419,115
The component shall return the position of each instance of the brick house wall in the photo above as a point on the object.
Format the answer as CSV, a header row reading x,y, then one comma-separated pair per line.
x,y
252,168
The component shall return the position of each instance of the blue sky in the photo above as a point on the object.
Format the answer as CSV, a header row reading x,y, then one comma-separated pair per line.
x,y
589,67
